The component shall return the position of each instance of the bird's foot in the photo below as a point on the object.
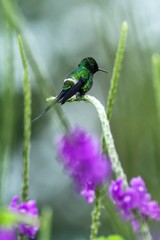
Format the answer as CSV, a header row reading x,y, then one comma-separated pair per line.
x,y
79,95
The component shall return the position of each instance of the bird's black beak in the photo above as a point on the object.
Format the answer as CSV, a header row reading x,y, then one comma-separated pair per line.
x,y
102,70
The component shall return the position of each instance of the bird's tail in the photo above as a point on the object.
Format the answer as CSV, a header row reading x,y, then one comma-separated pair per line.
x,y
45,110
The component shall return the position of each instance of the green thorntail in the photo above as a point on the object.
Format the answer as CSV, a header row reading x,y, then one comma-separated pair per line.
x,y
78,82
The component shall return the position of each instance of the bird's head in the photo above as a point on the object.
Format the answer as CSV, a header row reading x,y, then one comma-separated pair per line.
x,y
91,64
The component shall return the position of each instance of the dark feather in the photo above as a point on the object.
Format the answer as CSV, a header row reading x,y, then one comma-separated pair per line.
x,y
72,91
60,96
45,111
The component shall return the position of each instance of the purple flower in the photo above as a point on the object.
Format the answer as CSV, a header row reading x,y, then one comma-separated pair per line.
x,y
138,184
7,234
129,199
116,190
88,193
134,198
151,209
28,209
81,155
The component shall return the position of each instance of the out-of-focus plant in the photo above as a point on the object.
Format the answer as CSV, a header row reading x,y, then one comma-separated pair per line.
x,y
132,200
27,124
156,80
113,237
17,21
46,220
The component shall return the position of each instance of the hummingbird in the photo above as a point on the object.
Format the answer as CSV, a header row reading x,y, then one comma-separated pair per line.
x,y
78,83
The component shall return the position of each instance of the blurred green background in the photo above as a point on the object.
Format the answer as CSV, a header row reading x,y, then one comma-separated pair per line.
x,y
57,35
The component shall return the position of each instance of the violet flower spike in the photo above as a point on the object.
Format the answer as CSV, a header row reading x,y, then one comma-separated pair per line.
x,y
28,208
81,156
133,199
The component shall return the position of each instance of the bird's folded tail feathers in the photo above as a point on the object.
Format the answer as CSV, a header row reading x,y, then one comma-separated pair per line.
x,y
62,97
45,110
49,106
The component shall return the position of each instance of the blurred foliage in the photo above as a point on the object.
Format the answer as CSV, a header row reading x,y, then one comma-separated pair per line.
x,y
45,229
57,35
8,219
113,237
156,80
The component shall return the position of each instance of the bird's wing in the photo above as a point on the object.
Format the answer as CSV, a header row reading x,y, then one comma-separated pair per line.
x,y
72,91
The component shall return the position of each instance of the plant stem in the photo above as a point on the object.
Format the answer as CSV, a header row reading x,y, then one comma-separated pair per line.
x,y
27,123
116,70
112,93
96,214
115,76
46,219
145,234
156,80
116,164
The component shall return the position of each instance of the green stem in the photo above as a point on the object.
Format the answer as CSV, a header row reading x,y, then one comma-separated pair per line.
x,y
27,123
156,80
145,232
116,164
46,220
96,214
111,98
115,76
116,70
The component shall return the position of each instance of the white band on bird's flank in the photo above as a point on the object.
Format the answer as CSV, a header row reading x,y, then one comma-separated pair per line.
x,y
70,80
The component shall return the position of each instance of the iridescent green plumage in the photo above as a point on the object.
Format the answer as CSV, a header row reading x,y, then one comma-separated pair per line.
x,y
78,82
